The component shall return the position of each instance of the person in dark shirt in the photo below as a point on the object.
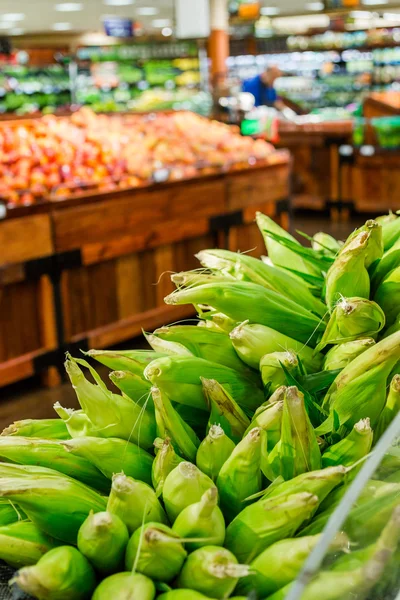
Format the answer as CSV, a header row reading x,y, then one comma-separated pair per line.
x,y
262,88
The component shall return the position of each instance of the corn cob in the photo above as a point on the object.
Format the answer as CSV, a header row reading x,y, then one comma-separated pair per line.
x,y
179,378
50,429
103,539
203,520
272,371
22,543
171,425
63,573
196,277
338,357
134,387
165,461
134,502
351,448
269,418
213,571
252,342
110,414
388,295
224,410
213,451
375,248
52,454
242,300
267,521
240,476
325,242
125,585
54,502
183,486
166,347
216,321
156,551
132,361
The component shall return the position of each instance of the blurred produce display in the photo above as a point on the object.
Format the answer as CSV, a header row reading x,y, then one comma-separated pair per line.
x,y
54,158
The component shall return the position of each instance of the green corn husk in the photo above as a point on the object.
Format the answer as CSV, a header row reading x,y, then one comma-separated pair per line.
x,y
165,461
54,502
103,539
272,372
213,451
183,595
298,449
352,448
348,276
390,232
393,328
213,571
49,429
196,277
243,300
156,551
125,586
76,421
374,249
340,356
23,544
195,418
112,455
203,520
359,391
10,513
216,321
179,378
52,454
252,342
171,425
269,418
166,347
267,521
132,361
241,476
326,243
185,485
206,343
280,564
111,415
136,388
61,574
388,295
224,410
353,319
391,409
134,502
389,261
247,268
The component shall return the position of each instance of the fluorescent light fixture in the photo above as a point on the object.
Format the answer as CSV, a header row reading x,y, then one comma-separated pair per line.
x,y
118,2
374,2
147,11
270,11
5,25
161,23
17,31
166,31
62,26
13,17
315,6
69,6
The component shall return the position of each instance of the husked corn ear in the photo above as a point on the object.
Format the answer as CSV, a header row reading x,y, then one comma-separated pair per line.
x,y
267,521
183,486
213,451
326,243
112,455
134,502
224,410
388,295
156,551
52,454
179,378
338,357
63,573
240,476
253,341
125,585
391,409
50,429
272,372
203,520
213,571
57,504
244,300
171,425
352,448
103,538
165,461
132,361
22,543
134,387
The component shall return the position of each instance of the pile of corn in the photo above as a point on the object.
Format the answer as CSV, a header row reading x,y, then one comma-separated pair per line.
x,y
213,471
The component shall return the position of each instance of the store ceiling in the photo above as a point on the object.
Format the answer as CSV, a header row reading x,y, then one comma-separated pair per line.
x,y
38,16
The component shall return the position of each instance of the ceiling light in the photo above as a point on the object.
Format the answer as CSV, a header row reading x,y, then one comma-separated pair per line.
x,y
315,6
374,2
5,25
13,17
166,31
270,11
161,23
147,11
69,6
17,31
118,2
62,26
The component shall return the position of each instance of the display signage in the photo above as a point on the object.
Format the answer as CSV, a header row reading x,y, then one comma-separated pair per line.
x,y
118,27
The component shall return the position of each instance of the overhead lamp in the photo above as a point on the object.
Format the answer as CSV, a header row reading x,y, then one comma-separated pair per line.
x,y
69,6
118,2
62,26
270,11
315,6
13,16
374,2
166,31
147,11
6,25
161,23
